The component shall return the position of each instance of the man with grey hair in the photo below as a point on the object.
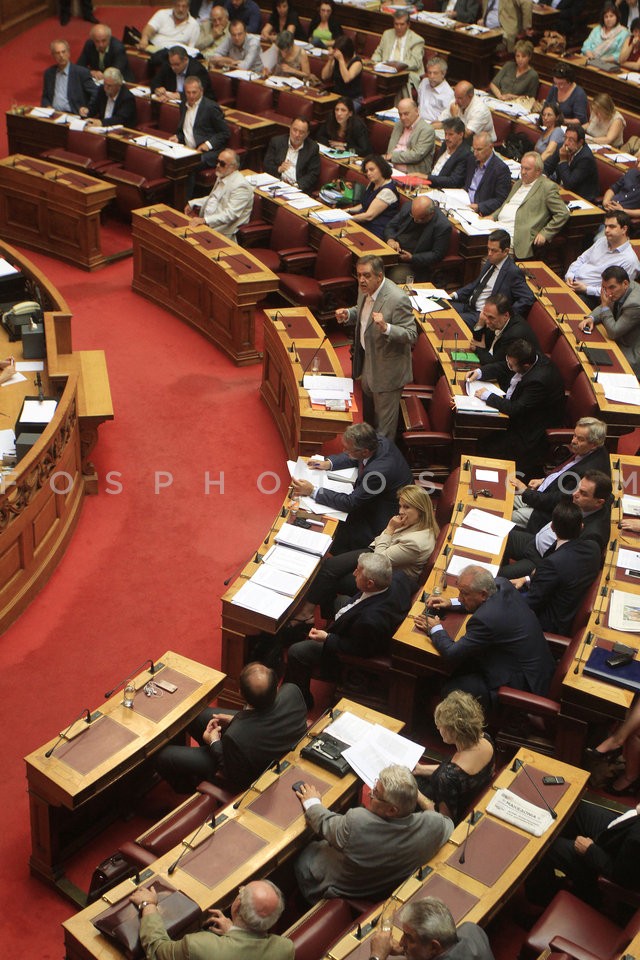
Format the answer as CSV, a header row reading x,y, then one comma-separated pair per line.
x,y
503,644
213,31
402,45
363,627
202,125
429,933
385,331
230,202
240,50
66,86
102,50
114,103
434,93
255,910
534,501
475,114
168,83
382,470
366,853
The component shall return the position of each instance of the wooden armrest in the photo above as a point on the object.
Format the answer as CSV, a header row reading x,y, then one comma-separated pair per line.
x,y
557,644
335,282
529,702
562,945
424,438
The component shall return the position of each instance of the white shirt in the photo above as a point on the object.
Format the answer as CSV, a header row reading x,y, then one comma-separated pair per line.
x,y
290,175
590,264
490,284
477,117
433,101
187,126
168,32
229,205
507,218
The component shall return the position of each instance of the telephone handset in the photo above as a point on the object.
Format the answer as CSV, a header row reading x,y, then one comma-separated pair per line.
x,y
25,308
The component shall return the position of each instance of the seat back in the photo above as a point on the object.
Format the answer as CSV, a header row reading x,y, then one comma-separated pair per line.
x,y
292,106
253,98
424,362
329,169
544,327
144,113
565,663
146,163
222,87
139,67
581,402
564,358
447,498
379,136
170,831
502,126
371,96
168,118
629,444
316,932
288,230
87,144
440,412
334,260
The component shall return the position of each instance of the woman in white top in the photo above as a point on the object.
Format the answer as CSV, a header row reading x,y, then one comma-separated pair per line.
x,y
407,540
606,124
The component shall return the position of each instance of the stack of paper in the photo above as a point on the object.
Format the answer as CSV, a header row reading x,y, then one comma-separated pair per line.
x,y
385,68
42,112
262,180
631,505
322,388
290,561
308,541
482,531
624,611
628,559
331,216
390,114
621,157
140,91
513,809
372,747
620,387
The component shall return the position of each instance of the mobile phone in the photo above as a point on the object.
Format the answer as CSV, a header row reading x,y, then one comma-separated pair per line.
x,y
632,573
619,659
301,522
552,781
297,785
166,685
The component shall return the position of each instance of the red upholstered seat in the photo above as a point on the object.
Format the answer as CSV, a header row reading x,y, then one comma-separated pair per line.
x,y
207,177
84,151
315,933
288,248
167,122
331,286
566,360
140,181
581,402
544,326
222,87
432,430
289,107
372,100
252,98
170,830
570,926
379,135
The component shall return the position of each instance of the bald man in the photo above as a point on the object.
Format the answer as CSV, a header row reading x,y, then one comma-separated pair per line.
x,y
240,744
102,50
471,110
420,233
256,909
412,140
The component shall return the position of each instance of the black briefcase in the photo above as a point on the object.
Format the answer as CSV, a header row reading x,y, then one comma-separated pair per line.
x,y
326,751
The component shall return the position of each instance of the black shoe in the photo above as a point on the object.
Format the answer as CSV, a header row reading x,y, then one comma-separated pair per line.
x,y
632,788
64,19
91,18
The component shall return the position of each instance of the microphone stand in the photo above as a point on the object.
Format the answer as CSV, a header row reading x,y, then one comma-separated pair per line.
x,y
519,765
211,821
152,670
86,713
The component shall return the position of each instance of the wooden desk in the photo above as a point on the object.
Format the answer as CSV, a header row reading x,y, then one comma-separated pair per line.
x,y
76,790
291,338
470,899
203,277
50,208
34,135
351,234
255,132
584,698
276,843
625,94
40,500
412,652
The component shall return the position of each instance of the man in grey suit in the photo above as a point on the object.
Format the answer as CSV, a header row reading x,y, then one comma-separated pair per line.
x,y
412,140
366,853
385,330
619,313
402,45
429,933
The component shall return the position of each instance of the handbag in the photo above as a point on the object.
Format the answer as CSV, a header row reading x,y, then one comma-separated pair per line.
x,y
109,874
121,922
341,193
553,42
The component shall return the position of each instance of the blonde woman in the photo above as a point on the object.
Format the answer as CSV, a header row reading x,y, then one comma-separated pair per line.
x,y
449,787
606,124
407,540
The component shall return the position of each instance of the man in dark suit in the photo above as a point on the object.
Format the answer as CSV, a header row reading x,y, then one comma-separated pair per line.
x,y
596,842
66,87
362,628
497,328
114,103
420,233
238,744
202,125
577,169
524,550
498,274
103,50
533,401
503,643
294,158
385,331
462,11
488,179
450,160
555,589
168,83
382,470
87,12
534,502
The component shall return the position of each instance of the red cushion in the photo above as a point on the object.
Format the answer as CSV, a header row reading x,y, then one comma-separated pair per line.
x,y
569,917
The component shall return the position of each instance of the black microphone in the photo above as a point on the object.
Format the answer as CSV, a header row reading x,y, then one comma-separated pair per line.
x,y
612,547
211,820
620,511
470,822
455,360
467,464
594,362
519,765
86,713
149,213
588,638
603,593
186,233
152,670
453,525
271,529
442,333
310,364
234,574
269,766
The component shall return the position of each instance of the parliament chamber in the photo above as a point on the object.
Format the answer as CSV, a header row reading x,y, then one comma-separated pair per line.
x,y
282,319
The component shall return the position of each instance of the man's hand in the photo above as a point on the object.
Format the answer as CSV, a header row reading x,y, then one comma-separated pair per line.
x,y
519,582
197,222
307,791
582,844
563,154
188,210
173,139
534,484
216,922
454,109
212,732
380,322
302,488
586,325
223,719
405,256
539,240
318,635
394,246
473,206
143,894
342,315
518,485
284,166
319,464
631,524
202,147
483,393
160,92
473,375
576,285
438,603
381,945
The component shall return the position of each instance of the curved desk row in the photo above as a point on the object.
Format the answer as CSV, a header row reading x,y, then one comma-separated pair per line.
x,y
40,500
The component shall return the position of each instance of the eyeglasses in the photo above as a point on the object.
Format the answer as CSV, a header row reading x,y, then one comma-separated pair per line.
x,y
221,163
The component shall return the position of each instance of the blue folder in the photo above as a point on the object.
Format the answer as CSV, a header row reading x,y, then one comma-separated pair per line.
x,y
627,676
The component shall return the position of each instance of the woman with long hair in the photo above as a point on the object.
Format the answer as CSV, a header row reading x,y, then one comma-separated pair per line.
x,y
607,38
343,130
606,123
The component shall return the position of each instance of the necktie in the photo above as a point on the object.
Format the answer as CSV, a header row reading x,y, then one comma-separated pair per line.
x,y
481,284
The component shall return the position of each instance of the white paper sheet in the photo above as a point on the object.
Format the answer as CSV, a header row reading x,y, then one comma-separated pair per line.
x,y
291,561
35,412
491,476
267,602
305,540
349,728
17,378
474,540
377,750
289,584
624,611
7,269
631,505
488,523
628,559
457,564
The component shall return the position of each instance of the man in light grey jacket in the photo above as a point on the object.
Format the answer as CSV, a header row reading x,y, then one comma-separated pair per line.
x,y
619,313
412,141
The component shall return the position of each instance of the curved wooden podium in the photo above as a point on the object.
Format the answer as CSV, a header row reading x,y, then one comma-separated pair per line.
x,y
40,499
